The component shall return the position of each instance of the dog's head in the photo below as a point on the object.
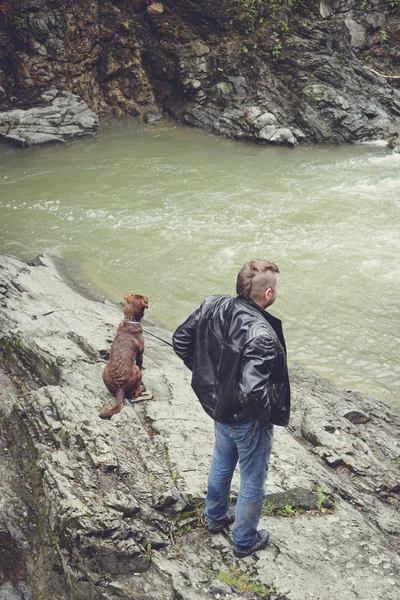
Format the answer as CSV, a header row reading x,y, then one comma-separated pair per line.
x,y
135,306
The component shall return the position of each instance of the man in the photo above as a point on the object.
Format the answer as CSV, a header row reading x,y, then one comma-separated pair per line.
x,y
237,354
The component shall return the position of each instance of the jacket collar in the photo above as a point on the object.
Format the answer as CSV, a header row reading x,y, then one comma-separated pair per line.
x,y
275,323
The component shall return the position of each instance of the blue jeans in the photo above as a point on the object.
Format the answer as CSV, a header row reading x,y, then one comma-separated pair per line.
x,y
249,443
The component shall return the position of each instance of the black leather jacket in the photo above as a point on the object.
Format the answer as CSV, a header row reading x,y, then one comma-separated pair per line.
x,y
237,354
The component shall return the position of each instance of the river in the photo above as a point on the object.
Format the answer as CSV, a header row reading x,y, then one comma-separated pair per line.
x,y
174,213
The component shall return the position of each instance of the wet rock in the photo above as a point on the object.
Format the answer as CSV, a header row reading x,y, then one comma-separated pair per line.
x,y
356,417
66,117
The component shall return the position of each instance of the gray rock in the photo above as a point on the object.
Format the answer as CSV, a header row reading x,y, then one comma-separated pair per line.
x,y
358,34
110,496
50,94
88,122
222,89
264,120
38,25
32,138
319,87
9,592
356,416
65,117
283,135
252,113
325,8
267,132
198,48
374,19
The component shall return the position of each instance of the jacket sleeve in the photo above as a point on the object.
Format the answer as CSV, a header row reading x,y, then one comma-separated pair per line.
x,y
255,386
184,338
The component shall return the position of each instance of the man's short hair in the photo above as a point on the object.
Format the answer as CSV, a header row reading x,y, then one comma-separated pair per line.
x,y
255,277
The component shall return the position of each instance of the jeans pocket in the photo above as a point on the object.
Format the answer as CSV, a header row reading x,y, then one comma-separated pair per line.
x,y
244,435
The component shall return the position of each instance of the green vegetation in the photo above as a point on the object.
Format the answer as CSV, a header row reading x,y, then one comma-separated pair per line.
x,y
290,510
243,582
254,4
384,37
277,50
368,5
246,16
148,552
200,516
268,508
320,500
394,5
287,511
189,520
284,511
58,13
19,22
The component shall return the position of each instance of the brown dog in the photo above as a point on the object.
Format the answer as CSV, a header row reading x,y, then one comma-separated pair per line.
x,y
123,374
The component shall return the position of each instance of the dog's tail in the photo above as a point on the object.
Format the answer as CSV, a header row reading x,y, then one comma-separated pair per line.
x,y
119,403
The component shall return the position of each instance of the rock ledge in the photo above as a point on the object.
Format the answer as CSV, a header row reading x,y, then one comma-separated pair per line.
x,y
108,510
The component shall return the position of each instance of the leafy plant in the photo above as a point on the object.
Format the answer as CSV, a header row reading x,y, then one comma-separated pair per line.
x,y
276,52
268,508
384,37
287,511
394,5
320,500
200,516
148,552
19,22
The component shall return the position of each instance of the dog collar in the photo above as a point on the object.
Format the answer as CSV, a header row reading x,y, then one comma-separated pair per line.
x,y
131,322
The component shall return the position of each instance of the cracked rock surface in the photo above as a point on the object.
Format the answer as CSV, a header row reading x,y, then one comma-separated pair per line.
x,y
113,509
63,116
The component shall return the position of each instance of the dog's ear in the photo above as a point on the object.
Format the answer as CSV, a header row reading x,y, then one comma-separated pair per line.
x,y
145,302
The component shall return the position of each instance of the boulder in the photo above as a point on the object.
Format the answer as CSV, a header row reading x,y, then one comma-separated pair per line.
x,y
65,116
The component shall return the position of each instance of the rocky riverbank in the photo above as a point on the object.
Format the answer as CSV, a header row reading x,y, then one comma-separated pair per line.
x,y
62,117
270,72
95,509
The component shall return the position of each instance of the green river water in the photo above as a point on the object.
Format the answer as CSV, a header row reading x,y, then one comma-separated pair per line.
x,y
174,213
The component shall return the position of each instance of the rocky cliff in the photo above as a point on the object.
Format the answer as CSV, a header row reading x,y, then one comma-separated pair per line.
x,y
114,509
271,71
